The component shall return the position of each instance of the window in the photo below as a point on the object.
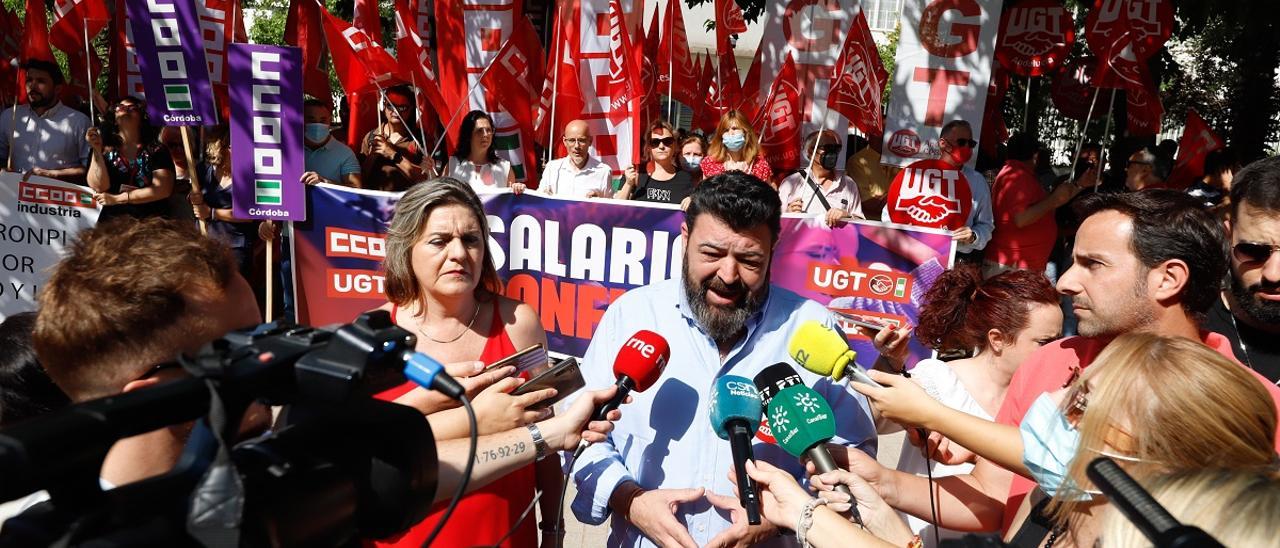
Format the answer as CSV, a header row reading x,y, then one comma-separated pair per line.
x,y
882,15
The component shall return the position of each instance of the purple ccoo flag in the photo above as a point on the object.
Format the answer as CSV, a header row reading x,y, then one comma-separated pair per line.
x,y
170,53
266,132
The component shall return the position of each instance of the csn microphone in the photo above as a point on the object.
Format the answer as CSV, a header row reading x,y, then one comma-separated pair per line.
x,y
802,422
735,414
1160,527
774,378
825,351
639,363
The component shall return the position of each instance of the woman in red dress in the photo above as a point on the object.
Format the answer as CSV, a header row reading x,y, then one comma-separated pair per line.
x,y
443,287
735,147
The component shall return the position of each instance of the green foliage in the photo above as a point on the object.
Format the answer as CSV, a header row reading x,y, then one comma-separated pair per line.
x,y
889,57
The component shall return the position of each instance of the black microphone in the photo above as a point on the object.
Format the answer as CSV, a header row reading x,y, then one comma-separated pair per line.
x,y
1156,523
735,412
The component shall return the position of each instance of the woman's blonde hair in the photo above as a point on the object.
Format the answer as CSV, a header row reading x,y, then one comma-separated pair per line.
x,y
1188,407
407,225
1236,507
749,151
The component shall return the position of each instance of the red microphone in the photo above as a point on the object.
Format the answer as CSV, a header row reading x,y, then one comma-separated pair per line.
x,y
639,363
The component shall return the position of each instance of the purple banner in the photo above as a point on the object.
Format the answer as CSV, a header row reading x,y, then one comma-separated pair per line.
x,y
170,53
266,132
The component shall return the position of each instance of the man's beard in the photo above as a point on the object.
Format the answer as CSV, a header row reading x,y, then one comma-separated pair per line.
x,y
722,324
42,102
1135,314
1262,312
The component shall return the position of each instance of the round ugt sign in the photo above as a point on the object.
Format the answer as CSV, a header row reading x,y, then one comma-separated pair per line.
x,y
932,194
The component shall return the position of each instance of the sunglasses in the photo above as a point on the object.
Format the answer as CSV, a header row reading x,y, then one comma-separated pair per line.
x,y
655,142
965,143
1251,252
400,108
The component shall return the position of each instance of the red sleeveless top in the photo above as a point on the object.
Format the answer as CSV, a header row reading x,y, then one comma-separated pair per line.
x,y
485,514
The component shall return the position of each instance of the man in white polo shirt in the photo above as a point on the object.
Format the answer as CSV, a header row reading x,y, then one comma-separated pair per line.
x,y
45,137
577,175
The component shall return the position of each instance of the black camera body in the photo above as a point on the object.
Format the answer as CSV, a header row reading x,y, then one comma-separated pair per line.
x,y
339,466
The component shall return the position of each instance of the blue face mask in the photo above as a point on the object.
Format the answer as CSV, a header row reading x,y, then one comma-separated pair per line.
x,y
692,163
734,141
1049,444
316,132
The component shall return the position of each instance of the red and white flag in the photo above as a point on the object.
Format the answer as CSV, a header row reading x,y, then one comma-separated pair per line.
x,y
561,83
360,62
76,22
304,29
1124,34
1197,141
10,48
778,122
858,83
363,105
674,57
126,76
728,21
651,75
415,60
519,57
221,24
624,87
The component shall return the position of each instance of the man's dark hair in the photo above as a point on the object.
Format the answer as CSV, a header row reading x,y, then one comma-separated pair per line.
x,y
1258,185
1168,224
1021,147
55,72
1220,160
739,200
954,124
25,389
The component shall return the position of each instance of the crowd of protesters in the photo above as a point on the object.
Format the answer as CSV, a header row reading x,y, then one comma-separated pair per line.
x,y
1168,298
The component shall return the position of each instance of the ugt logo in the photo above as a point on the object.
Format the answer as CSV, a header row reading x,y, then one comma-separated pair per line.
x,y
173,66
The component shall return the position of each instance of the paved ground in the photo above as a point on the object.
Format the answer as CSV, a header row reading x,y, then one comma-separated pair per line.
x,y
587,536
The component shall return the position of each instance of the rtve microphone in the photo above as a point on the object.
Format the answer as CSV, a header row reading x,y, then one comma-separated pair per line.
x,y
802,422
1156,523
735,412
639,363
825,351
774,378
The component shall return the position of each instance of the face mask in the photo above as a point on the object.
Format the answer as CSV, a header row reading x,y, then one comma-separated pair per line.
x,y
692,163
960,155
316,132
734,141
828,161
1049,444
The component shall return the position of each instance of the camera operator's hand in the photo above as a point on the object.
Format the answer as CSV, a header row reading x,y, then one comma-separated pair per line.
x,y
497,410
564,432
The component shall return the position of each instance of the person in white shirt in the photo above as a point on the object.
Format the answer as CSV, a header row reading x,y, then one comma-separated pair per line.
x,y
577,175
475,162
45,137
820,188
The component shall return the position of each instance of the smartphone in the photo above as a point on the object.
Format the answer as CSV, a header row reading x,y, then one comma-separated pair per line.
x,y
860,321
528,362
564,376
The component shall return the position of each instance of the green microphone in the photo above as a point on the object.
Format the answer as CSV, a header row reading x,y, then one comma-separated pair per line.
x,y
802,422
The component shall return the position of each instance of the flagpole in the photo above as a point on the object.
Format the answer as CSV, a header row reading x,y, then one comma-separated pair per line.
x,y
467,100
88,71
191,171
555,85
13,118
1084,129
417,104
270,311
1026,106
671,61
1106,129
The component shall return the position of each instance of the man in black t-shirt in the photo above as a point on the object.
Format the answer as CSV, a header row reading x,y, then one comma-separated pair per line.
x,y
1249,313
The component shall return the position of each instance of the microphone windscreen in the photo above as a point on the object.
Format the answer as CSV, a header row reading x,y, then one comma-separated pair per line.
x,y
820,349
734,397
800,418
774,378
642,358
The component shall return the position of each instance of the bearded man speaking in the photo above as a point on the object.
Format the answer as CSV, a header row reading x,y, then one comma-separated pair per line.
x,y
663,474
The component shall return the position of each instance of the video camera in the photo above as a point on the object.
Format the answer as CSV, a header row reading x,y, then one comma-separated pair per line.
x,y
339,466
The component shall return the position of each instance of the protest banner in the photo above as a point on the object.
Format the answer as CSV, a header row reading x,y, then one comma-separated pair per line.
x,y
266,126
930,193
40,218
944,61
170,55
569,259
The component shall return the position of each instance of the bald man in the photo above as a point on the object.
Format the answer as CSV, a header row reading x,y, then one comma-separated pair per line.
x,y
577,175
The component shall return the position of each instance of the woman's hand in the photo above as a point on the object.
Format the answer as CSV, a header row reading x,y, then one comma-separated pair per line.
x,y
881,519
900,400
781,498
470,375
267,230
795,206
381,146
108,199
518,188
498,411
94,137
631,176
893,344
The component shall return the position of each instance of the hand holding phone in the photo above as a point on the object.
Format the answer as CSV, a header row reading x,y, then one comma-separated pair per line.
x,y
565,377
528,362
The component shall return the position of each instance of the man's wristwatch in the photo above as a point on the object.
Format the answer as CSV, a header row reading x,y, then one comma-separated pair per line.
x,y
539,444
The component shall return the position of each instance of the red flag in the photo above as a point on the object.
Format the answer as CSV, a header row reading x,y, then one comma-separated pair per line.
x,y
624,80
712,108
653,76
728,21
994,130
304,30
1197,141
10,48
752,97
521,55
36,35
415,61
76,19
221,23
858,83
674,56
79,67
561,92
729,84
363,68
778,123
366,18
126,77
1144,109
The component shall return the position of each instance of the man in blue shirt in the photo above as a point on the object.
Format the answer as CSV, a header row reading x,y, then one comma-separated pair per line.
x,y
327,160
663,473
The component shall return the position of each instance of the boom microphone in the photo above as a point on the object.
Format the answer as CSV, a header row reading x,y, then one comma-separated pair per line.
x,y
639,364
802,422
1160,527
735,414
825,351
